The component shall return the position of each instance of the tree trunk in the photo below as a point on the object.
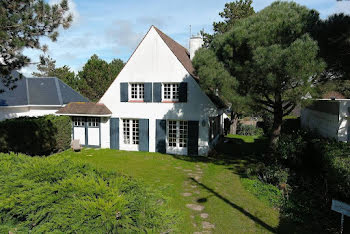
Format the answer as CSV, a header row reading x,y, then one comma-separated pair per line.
x,y
277,122
234,123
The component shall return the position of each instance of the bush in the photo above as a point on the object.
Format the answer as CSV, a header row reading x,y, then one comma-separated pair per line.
x,y
249,130
265,192
35,135
61,195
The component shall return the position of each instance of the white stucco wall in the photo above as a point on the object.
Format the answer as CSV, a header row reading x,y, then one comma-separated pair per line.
x,y
329,125
31,111
153,61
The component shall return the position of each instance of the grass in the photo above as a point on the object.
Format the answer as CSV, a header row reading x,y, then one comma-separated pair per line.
x,y
246,139
230,206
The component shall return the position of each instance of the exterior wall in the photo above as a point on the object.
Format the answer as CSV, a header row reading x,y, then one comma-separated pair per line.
x,y
329,118
323,123
15,112
153,61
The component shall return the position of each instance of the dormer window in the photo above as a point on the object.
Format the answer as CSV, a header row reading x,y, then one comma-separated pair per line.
x,y
137,91
171,92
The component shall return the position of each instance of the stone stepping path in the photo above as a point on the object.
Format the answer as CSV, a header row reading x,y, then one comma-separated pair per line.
x,y
191,190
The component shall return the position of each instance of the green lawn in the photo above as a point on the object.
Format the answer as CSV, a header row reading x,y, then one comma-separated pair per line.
x,y
214,184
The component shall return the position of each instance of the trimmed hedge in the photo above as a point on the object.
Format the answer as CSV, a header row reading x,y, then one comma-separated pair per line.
x,y
58,194
35,135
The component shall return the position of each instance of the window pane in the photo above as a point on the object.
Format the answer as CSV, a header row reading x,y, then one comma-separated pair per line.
x,y
135,132
141,91
175,92
183,133
126,131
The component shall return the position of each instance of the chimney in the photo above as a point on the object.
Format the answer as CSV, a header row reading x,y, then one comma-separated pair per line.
x,y
196,42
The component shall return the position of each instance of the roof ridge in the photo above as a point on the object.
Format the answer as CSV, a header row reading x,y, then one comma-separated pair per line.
x,y
158,30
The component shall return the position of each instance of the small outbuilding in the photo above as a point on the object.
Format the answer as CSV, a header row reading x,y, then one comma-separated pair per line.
x,y
328,117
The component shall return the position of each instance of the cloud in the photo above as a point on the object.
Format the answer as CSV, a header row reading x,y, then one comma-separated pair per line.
x,y
72,10
160,22
123,34
342,7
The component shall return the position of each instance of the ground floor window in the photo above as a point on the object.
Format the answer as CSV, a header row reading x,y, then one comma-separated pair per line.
x,y
78,121
93,122
131,131
177,133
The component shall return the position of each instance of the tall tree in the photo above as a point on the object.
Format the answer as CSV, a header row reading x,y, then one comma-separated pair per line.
x,y
216,80
273,58
233,12
97,75
22,24
46,67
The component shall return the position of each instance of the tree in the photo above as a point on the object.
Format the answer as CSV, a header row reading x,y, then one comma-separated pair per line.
x,y
273,57
22,24
46,67
333,36
233,12
97,75
216,80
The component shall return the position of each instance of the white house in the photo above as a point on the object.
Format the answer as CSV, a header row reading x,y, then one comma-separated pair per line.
x,y
328,117
155,104
35,97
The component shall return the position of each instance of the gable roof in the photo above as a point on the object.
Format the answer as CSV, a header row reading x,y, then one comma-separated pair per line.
x,y
179,51
85,109
49,91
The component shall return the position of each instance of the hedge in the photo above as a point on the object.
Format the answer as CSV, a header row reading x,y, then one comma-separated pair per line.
x,y
35,135
58,194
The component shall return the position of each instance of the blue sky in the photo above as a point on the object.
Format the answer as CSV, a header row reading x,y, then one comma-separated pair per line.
x,y
113,28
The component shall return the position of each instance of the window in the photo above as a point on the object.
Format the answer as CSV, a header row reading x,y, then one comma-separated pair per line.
x,y
177,133
78,122
171,92
131,131
137,91
93,122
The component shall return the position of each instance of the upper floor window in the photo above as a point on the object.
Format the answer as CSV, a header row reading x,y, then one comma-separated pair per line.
x,y
171,92
93,122
78,122
137,91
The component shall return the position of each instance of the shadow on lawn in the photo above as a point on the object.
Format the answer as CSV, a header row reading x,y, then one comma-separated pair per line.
x,y
233,205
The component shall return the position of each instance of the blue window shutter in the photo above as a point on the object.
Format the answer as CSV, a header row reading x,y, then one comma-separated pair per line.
x,y
124,92
160,136
114,133
148,92
183,92
157,92
193,131
143,135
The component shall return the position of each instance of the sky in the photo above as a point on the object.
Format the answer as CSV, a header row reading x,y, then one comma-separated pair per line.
x,y
112,29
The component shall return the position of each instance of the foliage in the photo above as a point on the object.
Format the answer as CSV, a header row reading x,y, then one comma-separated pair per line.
x,y
333,38
35,135
97,75
22,24
233,12
45,68
273,57
265,192
57,194
249,130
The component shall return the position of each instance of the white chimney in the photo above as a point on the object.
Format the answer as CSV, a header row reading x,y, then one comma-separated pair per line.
x,y
196,42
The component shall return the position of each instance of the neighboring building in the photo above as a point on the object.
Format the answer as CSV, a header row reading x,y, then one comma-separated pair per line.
x,y
328,117
155,104
36,97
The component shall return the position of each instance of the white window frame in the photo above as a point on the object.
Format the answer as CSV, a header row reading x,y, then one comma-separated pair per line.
x,y
93,122
78,121
181,142
174,95
133,140
140,91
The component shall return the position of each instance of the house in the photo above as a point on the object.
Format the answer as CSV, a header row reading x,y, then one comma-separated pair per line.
x,y
328,117
155,104
36,97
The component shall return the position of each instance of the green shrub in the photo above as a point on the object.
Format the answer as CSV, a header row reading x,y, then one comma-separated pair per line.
x,y
58,194
35,135
249,130
265,192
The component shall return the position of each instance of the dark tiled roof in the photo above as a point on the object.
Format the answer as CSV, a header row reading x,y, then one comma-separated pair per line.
x,y
39,91
179,51
84,108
